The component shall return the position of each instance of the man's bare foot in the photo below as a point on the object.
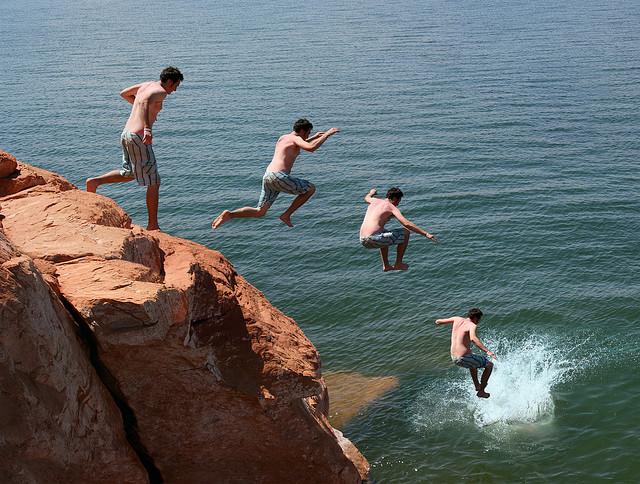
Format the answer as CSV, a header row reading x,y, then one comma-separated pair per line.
x,y
286,219
483,394
401,266
387,268
225,216
92,185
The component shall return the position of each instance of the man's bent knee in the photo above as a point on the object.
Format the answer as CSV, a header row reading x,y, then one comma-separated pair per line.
x,y
312,189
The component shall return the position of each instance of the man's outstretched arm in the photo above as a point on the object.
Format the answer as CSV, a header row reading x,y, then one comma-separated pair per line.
x,y
369,196
446,320
413,227
315,136
316,143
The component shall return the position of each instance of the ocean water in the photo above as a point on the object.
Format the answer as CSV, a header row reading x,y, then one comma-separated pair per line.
x,y
511,127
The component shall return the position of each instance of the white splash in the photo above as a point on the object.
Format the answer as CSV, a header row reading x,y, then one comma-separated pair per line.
x,y
521,382
526,371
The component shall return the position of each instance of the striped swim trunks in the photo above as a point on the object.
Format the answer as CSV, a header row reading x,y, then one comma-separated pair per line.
x,y
470,361
384,238
138,159
274,182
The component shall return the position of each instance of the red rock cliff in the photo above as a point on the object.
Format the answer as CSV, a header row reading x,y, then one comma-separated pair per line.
x,y
134,356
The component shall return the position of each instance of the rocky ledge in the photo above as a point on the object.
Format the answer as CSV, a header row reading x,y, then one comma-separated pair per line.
x,y
133,356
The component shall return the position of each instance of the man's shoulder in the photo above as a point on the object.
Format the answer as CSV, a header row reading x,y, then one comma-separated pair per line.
x,y
147,84
153,88
284,138
381,205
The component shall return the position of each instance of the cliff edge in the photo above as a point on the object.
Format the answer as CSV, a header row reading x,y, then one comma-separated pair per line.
x,y
135,356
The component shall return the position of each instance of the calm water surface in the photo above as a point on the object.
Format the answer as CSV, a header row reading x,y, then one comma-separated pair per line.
x,y
512,128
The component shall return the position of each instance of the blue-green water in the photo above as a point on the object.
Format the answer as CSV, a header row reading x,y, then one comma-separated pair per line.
x,y
512,128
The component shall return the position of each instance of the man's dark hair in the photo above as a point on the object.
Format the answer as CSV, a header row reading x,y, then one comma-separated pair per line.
x,y
302,124
171,74
474,314
394,193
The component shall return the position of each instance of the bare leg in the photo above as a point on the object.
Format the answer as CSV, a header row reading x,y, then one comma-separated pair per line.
x,y
296,204
244,212
384,253
111,177
474,377
399,265
486,373
153,193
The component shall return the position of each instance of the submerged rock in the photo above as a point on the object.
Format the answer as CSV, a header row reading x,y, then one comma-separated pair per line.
x,y
351,392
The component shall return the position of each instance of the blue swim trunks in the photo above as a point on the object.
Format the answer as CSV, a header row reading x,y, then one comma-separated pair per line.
x,y
384,238
274,182
470,361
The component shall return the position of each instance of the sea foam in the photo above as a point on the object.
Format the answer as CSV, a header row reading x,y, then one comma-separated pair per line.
x,y
524,375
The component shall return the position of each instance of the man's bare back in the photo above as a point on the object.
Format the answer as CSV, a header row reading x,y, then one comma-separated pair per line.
x,y
460,338
147,103
285,154
378,214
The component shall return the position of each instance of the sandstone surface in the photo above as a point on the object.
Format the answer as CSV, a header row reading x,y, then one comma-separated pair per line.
x,y
213,382
58,423
26,177
8,164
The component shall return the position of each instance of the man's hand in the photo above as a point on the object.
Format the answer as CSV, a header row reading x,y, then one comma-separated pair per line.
x,y
369,196
491,355
147,139
432,237
332,131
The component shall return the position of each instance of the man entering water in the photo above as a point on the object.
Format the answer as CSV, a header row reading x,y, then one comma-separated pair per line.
x,y
373,235
277,178
463,333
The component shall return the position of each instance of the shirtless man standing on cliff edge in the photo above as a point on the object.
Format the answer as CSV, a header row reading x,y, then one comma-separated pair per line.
x,y
138,160
463,333
373,235
277,178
